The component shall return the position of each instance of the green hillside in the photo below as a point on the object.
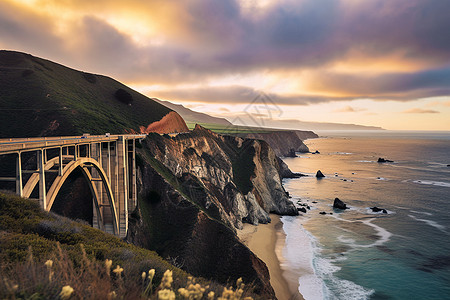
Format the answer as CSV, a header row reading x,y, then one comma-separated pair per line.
x,y
233,129
42,98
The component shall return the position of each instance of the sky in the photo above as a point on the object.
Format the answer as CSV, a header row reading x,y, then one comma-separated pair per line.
x,y
370,62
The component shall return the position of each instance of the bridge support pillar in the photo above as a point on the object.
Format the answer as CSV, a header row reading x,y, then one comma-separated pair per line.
x,y
19,187
40,167
122,187
133,183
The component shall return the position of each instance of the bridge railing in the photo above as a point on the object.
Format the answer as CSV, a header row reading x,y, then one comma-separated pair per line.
x,y
13,145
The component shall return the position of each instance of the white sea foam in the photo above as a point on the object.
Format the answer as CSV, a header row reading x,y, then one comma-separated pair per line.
x,y
298,240
382,233
316,274
437,164
430,182
430,222
369,211
341,153
422,212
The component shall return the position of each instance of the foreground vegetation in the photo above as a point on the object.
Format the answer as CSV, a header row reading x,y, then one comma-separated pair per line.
x,y
45,256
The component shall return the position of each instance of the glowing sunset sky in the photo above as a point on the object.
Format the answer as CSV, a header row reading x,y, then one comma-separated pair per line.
x,y
370,62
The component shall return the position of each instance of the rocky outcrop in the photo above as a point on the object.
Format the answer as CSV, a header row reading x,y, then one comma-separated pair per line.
x,y
383,160
339,204
319,174
241,177
285,172
176,218
305,134
377,209
282,142
170,123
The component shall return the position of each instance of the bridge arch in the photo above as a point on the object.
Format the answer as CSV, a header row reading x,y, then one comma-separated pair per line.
x,y
84,164
108,163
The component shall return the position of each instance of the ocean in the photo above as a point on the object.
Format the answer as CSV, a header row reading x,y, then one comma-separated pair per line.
x,y
360,254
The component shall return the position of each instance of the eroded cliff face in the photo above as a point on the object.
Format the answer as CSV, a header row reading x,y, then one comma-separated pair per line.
x,y
170,123
195,189
186,224
283,142
241,176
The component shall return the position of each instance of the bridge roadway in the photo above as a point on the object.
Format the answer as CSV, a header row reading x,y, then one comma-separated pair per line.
x,y
108,162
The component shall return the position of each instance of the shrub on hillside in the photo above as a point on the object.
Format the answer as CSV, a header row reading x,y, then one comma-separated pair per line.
x,y
123,96
27,73
91,78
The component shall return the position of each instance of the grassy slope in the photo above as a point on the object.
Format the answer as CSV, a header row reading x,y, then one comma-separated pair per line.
x,y
36,93
23,224
233,129
25,229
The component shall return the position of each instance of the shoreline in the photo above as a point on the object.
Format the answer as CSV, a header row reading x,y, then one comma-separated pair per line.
x,y
266,241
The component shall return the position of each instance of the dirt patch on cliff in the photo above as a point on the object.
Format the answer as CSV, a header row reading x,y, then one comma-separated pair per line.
x,y
170,123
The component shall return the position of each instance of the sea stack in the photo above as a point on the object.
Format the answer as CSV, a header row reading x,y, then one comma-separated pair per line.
x,y
319,174
383,160
338,203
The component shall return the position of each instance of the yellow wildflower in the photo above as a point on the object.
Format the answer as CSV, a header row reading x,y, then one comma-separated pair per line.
x,y
112,295
184,293
238,282
151,273
108,264
166,294
118,270
166,281
211,295
49,264
66,292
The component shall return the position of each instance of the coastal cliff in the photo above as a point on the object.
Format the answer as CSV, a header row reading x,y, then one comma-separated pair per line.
x,y
195,190
241,175
284,143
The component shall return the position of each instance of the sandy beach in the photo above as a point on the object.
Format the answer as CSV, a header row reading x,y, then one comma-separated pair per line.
x,y
265,240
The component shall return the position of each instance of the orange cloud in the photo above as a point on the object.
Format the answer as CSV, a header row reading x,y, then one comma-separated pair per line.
x,y
420,111
348,108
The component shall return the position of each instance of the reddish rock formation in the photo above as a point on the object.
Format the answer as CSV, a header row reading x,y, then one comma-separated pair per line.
x,y
170,123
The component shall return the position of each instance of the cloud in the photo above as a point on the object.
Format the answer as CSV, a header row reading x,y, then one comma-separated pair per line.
x,y
161,42
397,86
420,111
348,108
238,94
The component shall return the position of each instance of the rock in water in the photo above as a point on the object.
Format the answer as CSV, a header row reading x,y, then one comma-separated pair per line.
x,y
302,209
323,213
291,153
376,209
319,174
383,160
339,204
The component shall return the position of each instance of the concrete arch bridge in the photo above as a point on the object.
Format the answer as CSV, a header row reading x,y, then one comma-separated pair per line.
x,y
107,162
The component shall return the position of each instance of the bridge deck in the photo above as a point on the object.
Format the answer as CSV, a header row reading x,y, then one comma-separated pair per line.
x,y
14,145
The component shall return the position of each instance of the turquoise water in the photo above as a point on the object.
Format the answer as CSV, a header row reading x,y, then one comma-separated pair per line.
x,y
358,254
